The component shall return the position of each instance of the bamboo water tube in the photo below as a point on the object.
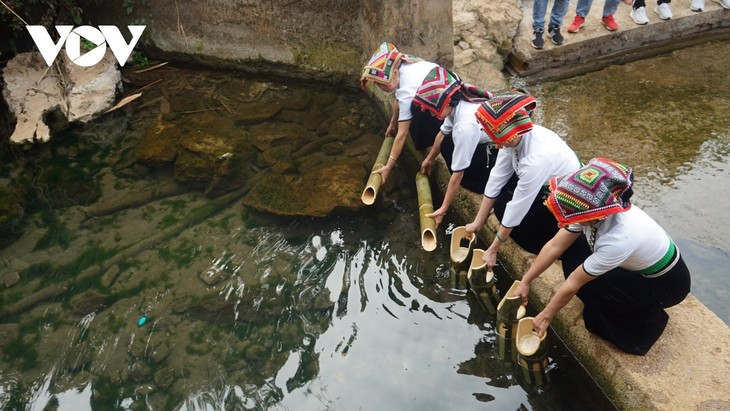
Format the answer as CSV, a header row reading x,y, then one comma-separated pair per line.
x,y
483,282
375,180
532,355
509,311
461,248
425,206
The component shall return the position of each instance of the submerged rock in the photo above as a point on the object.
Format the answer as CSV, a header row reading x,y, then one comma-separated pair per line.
x,y
316,192
44,100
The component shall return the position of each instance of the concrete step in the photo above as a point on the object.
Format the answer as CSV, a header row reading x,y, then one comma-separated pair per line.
x,y
594,47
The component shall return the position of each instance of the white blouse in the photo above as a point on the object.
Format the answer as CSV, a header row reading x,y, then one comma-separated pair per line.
x,y
540,156
630,239
466,133
411,78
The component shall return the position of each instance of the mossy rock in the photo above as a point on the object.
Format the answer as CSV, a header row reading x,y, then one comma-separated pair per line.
x,y
11,216
159,145
316,193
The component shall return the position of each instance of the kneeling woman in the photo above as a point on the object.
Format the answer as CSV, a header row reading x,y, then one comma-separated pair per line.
x,y
465,147
634,270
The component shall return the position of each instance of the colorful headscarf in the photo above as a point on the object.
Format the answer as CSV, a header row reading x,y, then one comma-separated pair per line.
x,y
598,189
438,89
506,116
383,63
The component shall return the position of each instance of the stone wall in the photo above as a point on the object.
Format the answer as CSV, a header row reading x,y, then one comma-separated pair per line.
x,y
327,40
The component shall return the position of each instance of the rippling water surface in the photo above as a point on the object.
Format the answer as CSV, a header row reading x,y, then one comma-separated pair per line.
x,y
127,289
668,118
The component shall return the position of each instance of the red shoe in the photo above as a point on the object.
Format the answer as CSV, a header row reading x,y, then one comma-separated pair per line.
x,y
610,23
577,23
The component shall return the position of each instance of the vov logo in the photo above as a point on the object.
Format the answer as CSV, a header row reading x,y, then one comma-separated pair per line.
x,y
71,37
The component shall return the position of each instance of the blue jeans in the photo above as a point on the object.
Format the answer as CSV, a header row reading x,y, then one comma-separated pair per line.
x,y
584,6
539,8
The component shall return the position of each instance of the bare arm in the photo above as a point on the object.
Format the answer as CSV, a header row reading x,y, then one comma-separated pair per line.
x,y
451,189
393,124
550,252
484,209
395,151
435,151
565,293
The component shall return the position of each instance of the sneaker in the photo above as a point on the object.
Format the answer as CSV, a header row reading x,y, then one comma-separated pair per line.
x,y
724,3
576,24
538,42
664,11
639,16
609,23
697,5
555,36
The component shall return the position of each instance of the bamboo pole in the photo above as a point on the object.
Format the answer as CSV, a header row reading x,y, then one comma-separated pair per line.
x,y
375,180
531,353
461,248
425,206
509,311
483,282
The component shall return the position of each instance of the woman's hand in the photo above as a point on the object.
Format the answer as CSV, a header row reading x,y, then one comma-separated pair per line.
x,y
383,171
426,166
471,228
523,290
490,257
437,215
540,323
391,130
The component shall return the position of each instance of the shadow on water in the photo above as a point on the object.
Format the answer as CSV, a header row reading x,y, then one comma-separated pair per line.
x,y
668,118
165,257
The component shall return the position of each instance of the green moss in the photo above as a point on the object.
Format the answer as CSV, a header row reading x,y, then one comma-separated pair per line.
x,y
168,221
22,351
182,255
175,205
56,233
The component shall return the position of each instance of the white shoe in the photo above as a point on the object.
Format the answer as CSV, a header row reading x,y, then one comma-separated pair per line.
x,y
697,5
724,3
664,11
639,16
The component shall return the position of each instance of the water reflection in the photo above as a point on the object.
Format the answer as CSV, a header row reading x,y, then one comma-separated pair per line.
x,y
248,307
666,117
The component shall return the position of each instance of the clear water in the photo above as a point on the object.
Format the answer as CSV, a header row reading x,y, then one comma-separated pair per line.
x,y
668,118
114,298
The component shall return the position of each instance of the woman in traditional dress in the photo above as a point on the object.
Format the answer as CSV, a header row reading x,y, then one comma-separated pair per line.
x,y
444,96
534,154
394,71
633,270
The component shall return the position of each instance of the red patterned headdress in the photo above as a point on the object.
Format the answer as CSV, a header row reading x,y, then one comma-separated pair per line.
x,y
506,116
383,63
598,189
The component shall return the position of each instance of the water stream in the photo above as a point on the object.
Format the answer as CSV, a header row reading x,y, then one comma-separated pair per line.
x,y
167,259
668,118
151,272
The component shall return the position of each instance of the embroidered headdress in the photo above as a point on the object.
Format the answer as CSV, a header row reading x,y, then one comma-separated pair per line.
x,y
383,63
598,189
439,89
506,116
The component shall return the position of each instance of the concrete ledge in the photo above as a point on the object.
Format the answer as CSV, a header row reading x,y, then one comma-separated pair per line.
x,y
593,47
687,369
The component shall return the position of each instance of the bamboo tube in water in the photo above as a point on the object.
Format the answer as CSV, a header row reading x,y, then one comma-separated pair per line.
x,y
509,311
483,282
531,353
425,206
461,248
375,180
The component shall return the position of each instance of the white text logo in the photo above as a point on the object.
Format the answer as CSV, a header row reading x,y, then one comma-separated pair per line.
x,y
71,37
